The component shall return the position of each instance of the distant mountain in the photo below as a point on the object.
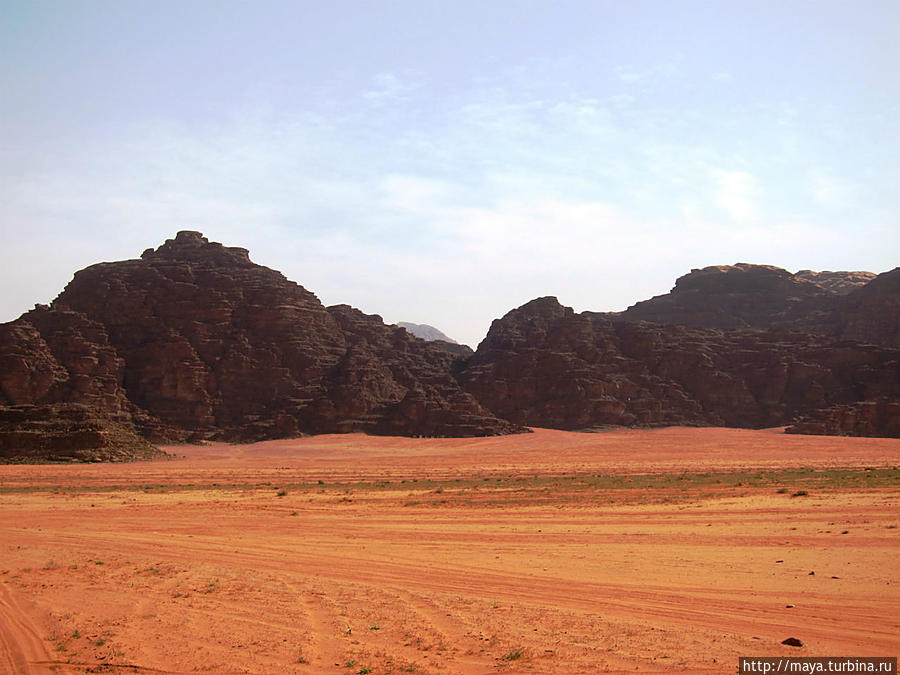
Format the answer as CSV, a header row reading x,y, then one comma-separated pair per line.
x,y
426,332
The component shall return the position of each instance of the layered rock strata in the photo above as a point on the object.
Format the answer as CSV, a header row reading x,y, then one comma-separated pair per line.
x,y
544,365
194,340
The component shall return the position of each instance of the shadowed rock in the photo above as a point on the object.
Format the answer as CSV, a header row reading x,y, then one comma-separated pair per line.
x,y
68,432
544,365
194,340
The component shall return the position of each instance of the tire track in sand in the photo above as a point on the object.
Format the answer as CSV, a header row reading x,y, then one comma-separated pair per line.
x,y
22,651
464,646
327,648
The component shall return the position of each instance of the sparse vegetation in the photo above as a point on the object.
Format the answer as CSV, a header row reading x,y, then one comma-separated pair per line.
x,y
513,655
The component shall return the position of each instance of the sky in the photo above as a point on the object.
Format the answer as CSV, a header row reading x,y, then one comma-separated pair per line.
x,y
445,162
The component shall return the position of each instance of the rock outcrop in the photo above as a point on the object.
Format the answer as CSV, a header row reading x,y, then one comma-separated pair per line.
x,y
194,340
544,365
735,296
848,305
871,313
840,283
864,418
68,432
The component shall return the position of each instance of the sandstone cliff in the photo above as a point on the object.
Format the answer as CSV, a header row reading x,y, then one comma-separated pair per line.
x,y
544,365
194,340
849,305
863,418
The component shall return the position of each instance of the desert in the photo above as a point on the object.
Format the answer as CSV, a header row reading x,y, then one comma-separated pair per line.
x,y
387,336
666,550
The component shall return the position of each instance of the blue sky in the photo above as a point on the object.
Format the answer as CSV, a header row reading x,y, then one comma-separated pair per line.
x,y
444,162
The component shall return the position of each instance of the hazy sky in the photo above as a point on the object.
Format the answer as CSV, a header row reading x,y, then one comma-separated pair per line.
x,y
444,162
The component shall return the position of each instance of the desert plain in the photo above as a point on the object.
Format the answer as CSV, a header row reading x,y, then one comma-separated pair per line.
x,y
669,550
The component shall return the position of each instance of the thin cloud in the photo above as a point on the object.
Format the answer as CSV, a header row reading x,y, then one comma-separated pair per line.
x,y
389,88
737,193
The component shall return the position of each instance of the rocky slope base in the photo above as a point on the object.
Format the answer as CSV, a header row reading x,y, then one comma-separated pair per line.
x,y
196,341
864,418
67,432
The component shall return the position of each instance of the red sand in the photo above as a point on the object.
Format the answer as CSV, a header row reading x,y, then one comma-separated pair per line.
x,y
209,569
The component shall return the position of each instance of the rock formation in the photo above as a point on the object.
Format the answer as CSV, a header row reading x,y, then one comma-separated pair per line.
x,y
196,341
67,432
864,418
848,305
840,283
544,365
871,313
734,296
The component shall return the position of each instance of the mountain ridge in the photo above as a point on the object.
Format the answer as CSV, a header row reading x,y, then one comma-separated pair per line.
x,y
194,341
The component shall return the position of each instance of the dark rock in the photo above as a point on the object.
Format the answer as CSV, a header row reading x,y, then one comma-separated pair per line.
x,y
67,432
735,296
863,418
792,642
544,365
404,383
196,341
871,313
856,306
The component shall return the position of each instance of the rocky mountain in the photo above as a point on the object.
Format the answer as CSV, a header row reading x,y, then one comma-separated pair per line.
x,y
425,332
194,340
848,305
544,365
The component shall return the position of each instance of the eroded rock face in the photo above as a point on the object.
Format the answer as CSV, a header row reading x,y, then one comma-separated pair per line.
x,y
544,365
196,341
849,305
864,418
405,380
840,283
68,432
871,313
734,296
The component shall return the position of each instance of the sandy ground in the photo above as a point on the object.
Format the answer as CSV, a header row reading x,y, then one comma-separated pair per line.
x,y
673,550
